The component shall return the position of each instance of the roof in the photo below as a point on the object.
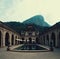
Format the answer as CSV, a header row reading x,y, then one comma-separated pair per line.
x,y
6,27
56,26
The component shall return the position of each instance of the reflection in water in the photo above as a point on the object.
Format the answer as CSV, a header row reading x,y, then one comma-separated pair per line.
x,y
30,47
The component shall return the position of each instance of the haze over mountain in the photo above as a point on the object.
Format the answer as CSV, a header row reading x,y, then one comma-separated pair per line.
x,y
38,20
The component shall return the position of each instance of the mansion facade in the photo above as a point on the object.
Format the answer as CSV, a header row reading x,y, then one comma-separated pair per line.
x,y
30,35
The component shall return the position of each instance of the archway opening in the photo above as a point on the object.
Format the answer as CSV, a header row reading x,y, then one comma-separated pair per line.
x,y
30,41
53,39
37,40
59,39
22,40
0,38
47,39
12,40
43,39
6,39
15,40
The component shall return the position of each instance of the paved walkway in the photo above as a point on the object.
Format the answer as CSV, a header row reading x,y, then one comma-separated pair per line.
x,y
23,55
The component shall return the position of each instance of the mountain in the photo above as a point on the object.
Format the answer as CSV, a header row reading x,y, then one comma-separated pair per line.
x,y
38,20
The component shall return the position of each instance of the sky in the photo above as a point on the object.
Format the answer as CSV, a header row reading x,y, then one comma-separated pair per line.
x,y
20,10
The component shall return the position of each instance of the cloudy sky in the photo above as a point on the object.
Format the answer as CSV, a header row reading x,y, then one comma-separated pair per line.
x,y
20,10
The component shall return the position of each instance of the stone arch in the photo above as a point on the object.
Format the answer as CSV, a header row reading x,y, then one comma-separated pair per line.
x,y
53,38
12,40
30,40
47,37
40,39
22,40
59,39
59,35
37,40
6,39
0,38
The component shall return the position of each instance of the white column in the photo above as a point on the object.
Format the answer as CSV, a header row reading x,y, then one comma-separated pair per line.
x,y
3,38
14,39
10,39
17,40
56,34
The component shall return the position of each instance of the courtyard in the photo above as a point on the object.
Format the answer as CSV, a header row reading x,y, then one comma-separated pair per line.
x,y
29,55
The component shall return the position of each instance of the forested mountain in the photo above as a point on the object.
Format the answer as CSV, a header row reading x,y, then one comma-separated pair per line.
x,y
37,21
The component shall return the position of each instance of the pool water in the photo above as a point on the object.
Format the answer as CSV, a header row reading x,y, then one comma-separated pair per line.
x,y
30,47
